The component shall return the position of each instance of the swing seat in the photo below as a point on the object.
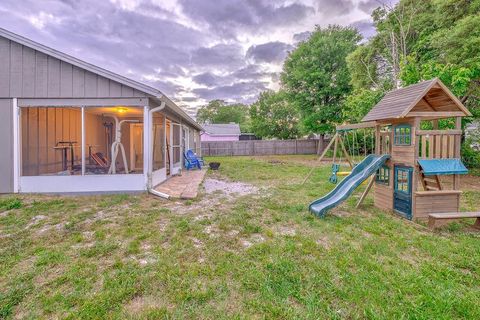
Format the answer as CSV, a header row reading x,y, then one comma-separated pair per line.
x,y
333,178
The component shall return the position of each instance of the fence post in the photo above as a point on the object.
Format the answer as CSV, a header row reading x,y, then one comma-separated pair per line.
x,y
296,147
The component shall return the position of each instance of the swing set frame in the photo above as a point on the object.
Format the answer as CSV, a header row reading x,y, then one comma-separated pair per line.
x,y
336,142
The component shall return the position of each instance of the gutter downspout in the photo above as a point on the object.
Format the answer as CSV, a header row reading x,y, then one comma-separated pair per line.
x,y
150,156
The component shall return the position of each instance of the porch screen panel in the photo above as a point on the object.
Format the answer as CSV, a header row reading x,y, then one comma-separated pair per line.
x,y
50,141
100,135
158,141
198,143
176,145
191,140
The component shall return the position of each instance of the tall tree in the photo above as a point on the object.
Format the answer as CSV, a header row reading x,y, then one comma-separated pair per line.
x,y
418,40
359,103
217,111
273,116
316,77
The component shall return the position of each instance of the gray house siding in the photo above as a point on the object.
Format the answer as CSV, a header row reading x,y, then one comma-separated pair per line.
x,y
6,144
27,73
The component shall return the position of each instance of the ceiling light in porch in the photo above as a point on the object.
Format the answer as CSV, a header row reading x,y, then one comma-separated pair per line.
x,y
121,109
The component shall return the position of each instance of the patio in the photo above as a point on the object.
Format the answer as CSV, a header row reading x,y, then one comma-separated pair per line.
x,y
184,186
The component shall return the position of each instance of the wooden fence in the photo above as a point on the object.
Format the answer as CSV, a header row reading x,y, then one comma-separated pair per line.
x,y
261,147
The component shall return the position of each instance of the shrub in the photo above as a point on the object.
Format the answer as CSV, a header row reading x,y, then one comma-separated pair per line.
x,y
10,203
470,157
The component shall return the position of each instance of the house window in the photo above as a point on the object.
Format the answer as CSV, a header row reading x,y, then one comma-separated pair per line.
x,y
402,182
403,135
383,175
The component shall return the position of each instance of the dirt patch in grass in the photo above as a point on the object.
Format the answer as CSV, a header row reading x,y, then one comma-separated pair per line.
x,y
254,239
286,231
144,303
229,188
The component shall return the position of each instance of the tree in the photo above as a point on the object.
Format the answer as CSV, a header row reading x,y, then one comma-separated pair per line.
x,y
316,77
272,116
217,111
419,40
359,103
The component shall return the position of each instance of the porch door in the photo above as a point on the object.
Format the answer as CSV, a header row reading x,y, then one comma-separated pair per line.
x,y
177,144
185,142
402,195
168,146
136,146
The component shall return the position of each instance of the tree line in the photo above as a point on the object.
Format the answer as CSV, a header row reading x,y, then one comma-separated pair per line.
x,y
335,76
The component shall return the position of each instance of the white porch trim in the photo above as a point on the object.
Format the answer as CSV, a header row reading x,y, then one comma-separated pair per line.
x,y
147,135
16,145
88,183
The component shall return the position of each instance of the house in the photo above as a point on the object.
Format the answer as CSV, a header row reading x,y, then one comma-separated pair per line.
x,y
70,126
221,132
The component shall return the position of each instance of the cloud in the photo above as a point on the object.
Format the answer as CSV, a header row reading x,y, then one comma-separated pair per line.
x,y
365,27
335,7
192,50
221,55
269,52
244,91
251,71
302,36
229,18
208,79
368,6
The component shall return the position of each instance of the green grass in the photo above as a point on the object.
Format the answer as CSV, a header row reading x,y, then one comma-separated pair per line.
x,y
255,256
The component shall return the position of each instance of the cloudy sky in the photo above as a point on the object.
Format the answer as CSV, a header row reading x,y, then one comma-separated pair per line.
x,y
192,50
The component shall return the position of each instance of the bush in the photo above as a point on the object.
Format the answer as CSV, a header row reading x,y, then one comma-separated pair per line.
x,y
10,203
470,157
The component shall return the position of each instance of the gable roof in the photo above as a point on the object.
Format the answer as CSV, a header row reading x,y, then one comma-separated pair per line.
x,y
398,103
222,129
154,94
80,63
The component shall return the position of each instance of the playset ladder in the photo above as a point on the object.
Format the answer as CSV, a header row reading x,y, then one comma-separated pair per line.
x,y
430,183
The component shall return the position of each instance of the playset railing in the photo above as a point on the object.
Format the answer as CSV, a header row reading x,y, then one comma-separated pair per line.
x,y
385,142
438,144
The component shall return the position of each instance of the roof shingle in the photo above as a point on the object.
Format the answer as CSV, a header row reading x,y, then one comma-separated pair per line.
x,y
397,101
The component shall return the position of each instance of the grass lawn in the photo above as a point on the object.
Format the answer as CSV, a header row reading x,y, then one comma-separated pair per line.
x,y
257,254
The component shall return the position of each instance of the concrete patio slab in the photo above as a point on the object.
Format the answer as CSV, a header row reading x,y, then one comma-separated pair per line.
x,y
183,186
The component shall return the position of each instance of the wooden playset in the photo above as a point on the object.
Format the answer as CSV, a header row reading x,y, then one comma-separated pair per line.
x,y
407,179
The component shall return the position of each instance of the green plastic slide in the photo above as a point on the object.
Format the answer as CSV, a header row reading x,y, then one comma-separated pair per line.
x,y
344,189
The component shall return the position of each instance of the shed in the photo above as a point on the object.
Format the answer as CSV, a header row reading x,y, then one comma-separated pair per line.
x,y
221,132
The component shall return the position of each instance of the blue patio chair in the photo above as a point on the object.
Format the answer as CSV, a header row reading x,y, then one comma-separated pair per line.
x,y
191,163
192,155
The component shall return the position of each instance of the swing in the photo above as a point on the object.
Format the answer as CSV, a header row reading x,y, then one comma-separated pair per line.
x,y
341,131
335,166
